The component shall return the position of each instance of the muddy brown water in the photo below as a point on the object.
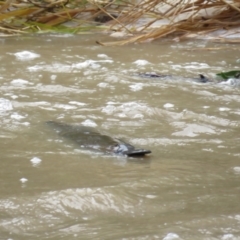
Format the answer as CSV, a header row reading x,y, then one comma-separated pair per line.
x,y
188,188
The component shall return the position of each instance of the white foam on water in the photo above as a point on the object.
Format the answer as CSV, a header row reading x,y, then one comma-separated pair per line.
x,y
20,82
56,67
191,65
89,123
65,106
136,87
151,196
26,123
207,150
35,161
32,104
14,96
193,130
102,55
111,103
122,115
5,105
141,62
138,115
171,236
228,236
128,109
59,67
17,116
26,55
86,64
168,105
109,109
231,82
90,63
23,180
77,103
236,170
53,77
223,109
103,85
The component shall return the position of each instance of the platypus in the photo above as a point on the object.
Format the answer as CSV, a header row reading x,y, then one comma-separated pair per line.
x,y
201,78
90,138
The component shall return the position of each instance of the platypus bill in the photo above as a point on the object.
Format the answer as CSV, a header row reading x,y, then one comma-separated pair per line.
x,y
89,138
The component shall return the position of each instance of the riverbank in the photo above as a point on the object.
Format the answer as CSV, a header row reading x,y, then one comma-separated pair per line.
x,y
131,21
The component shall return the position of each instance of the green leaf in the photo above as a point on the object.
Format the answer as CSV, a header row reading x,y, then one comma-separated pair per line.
x,y
230,74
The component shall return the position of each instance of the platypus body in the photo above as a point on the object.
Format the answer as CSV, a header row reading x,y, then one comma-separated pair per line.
x,y
200,79
89,138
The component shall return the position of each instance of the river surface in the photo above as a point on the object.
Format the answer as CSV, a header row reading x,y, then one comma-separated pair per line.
x,y
188,188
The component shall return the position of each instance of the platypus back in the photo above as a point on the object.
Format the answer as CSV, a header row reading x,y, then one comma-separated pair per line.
x,y
89,138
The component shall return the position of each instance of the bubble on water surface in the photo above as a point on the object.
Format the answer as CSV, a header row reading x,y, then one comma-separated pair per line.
x,y
223,109
14,96
26,123
17,116
5,105
138,115
56,67
23,180
207,150
171,236
136,87
128,109
35,161
65,106
109,109
77,103
231,82
69,68
26,55
20,82
103,85
85,64
236,170
89,123
141,62
191,65
193,130
90,63
102,55
228,236
53,77
168,105
151,196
